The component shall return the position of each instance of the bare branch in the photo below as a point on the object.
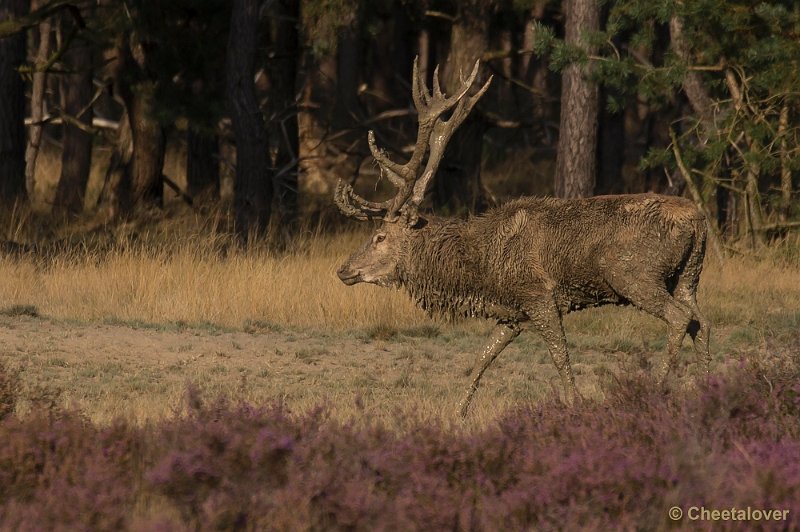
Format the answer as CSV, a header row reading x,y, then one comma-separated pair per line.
x,y
714,238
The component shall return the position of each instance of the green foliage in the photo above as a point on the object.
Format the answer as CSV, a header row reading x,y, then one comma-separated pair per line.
x,y
744,56
559,53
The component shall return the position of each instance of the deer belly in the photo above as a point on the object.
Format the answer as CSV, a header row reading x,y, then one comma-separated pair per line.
x,y
588,296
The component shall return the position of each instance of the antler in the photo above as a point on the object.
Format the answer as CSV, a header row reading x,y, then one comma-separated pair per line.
x,y
433,133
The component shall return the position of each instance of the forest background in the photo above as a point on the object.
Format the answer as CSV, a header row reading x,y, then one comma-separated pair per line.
x,y
253,110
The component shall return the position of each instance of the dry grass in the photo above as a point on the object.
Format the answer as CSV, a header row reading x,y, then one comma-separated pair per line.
x,y
120,332
191,284
188,281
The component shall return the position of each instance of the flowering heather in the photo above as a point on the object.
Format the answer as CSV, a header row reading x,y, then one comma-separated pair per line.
x,y
731,442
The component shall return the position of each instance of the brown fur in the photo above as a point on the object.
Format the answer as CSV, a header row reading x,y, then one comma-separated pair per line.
x,y
534,259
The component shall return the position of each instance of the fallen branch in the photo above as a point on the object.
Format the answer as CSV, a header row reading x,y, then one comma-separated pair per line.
x,y
174,186
100,123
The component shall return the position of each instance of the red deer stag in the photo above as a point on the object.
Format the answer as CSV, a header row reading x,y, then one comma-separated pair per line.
x,y
531,260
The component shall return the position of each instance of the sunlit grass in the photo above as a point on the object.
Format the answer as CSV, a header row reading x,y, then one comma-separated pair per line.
x,y
291,331
189,281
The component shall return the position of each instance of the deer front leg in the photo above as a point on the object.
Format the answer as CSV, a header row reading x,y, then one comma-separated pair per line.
x,y
546,319
501,336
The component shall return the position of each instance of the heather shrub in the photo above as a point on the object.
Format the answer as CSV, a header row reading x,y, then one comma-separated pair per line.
x,y
730,440
9,390
214,463
59,472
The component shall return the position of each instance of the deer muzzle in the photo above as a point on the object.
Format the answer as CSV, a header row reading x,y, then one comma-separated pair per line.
x,y
348,276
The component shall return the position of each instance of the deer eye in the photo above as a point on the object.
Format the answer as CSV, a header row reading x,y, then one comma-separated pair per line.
x,y
379,238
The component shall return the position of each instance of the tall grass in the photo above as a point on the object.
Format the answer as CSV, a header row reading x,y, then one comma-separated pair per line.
x,y
200,278
189,280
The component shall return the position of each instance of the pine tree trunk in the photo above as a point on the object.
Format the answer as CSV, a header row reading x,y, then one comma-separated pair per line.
x,y
458,184
149,146
348,66
696,92
610,155
116,186
202,164
134,175
76,157
37,105
577,141
253,187
534,72
12,108
283,75
786,168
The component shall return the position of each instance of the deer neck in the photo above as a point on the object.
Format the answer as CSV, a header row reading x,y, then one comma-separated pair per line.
x,y
443,270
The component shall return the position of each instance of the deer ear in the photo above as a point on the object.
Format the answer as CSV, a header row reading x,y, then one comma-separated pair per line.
x,y
421,222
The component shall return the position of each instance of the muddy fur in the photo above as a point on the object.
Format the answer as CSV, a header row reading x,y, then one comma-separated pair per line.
x,y
490,265
534,259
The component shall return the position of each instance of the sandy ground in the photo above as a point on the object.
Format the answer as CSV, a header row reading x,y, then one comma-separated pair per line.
x,y
142,372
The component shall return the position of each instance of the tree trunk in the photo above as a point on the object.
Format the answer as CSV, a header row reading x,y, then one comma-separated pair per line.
x,y
116,186
458,185
134,176
786,169
253,188
753,169
610,154
12,108
348,67
149,145
202,164
389,60
534,72
283,80
76,157
37,105
703,106
424,51
698,97
577,140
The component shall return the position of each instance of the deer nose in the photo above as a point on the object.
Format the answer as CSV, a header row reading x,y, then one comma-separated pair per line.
x,y
347,276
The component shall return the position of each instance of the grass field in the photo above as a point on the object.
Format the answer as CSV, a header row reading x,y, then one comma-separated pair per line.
x,y
154,377
122,331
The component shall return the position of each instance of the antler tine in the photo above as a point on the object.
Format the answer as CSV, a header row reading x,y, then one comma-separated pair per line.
x,y
352,205
466,85
394,171
433,134
437,89
440,136
462,110
429,108
419,89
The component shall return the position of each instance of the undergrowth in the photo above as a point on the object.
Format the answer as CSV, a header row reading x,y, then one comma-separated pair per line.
x,y
732,442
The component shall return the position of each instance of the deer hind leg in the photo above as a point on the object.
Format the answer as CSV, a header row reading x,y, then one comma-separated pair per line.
x,y
685,291
654,299
699,328
502,335
546,319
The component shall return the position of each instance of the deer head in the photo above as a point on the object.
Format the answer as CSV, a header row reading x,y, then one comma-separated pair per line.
x,y
376,261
